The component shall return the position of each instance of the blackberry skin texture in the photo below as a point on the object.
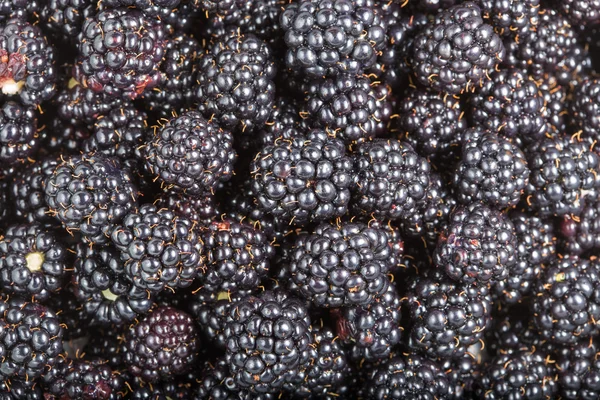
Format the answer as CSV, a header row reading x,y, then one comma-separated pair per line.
x,y
479,245
130,64
457,51
163,390
430,121
555,99
462,375
268,341
513,19
527,374
163,345
58,136
108,345
586,12
391,179
19,138
71,314
235,86
536,248
21,9
100,284
303,179
581,235
447,317
237,256
510,104
351,107
492,170
79,106
90,194
584,109
579,371
566,302
201,210
20,390
190,154
407,377
563,176
174,90
64,18
159,248
327,37
342,264
27,58
33,261
31,339
372,331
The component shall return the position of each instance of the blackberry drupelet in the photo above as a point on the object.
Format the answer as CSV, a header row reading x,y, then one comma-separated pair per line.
x,y
581,12
190,154
329,37
566,301
160,249
555,99
342,264
128,63
513,19
108,345
581,234
268,341
564,175
513,330
105,292
58,136
163,345
579,371
33,261
64,18
201,210
173,390
284,122
90,194
19,137
391,179
462,375
70,313
22,9
479,245
82,106
492,170
235,86
303,179
585,110
27,62
457,50
5,205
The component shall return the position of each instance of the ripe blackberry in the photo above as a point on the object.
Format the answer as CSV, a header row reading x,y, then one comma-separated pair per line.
x,y
173,390
22,9
159,248
457,51
33,261
19,138
510,104
90,194
104,290
563,175
129,64
79,106
190,154
27,59
462,375
268,341
527,374
5,205
430,121
555,99
70,313
581,234
342,264
349,106
492,170
579,371
64,18
391,179
284,122
536,248
235,85
407,377
479,245
107,344
566,302
581,12
512,19
584,109
513,331
303,179
164,344
447,317
329,37
201,210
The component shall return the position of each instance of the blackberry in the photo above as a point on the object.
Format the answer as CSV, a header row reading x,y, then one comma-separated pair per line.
x,y
22,9
584,109
284,122
391,179
581,234
190,154
201,210
64,18
492,170
457,51
79,106
58,136
33,261
108,345
20,390
407,377
563,175
27,59
104,290
566,302
159,248
586,12
536,248
90,194
235,86
510,104
303,179
349,106
462,375
129,64
513,331
527,374
19,137
237,256
555,99
342,264
164,344
579,371
479,245
71,314
5,206
447,317
512,19
329,37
